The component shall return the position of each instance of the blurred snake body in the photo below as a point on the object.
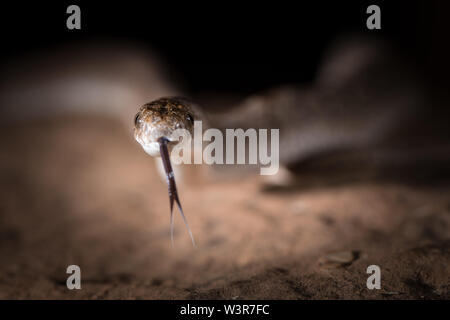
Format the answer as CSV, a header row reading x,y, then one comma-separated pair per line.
x,y
361,96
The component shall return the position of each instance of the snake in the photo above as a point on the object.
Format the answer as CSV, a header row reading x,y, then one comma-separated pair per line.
x,y
362,93
350,108
154,128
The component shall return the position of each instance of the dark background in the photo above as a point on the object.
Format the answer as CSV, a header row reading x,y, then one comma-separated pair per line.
x,y
241,46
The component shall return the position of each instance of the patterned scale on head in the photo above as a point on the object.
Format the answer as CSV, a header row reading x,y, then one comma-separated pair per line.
x,y
160,119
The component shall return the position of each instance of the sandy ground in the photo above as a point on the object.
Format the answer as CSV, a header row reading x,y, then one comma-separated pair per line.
x,y
81,191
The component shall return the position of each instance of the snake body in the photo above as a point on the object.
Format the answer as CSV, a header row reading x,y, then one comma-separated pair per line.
x,y
360,96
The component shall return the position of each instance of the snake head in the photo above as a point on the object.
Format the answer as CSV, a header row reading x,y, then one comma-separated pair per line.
x,y
160,119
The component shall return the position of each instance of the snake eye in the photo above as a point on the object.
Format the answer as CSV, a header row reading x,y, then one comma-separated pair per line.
x,y
136,119
190,118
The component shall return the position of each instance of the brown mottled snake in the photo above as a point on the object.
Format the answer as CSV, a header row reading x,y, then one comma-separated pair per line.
x,y
361,96
352,107
154,126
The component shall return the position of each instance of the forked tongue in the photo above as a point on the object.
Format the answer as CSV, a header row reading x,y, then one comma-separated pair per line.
x,y
173,195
